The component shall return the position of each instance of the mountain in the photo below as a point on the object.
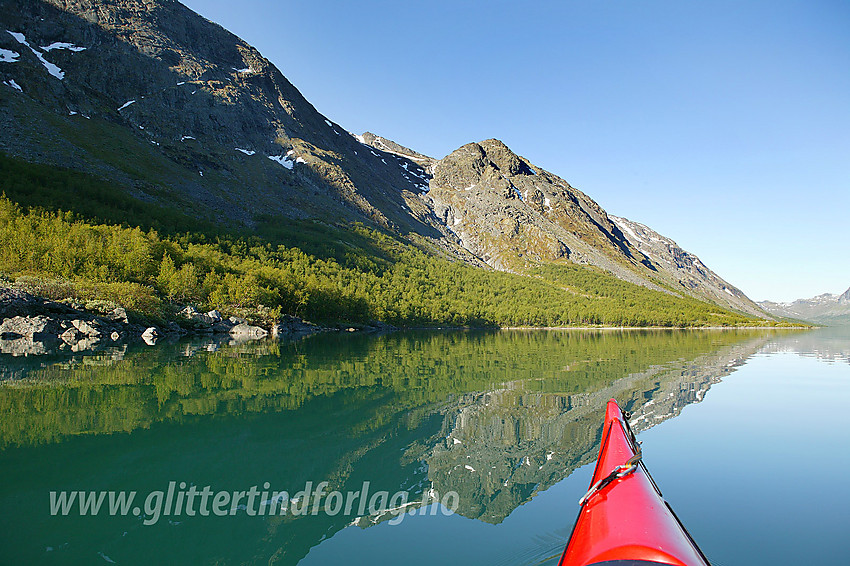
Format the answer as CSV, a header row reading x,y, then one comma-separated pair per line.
x,y
827,309
175,110
512,214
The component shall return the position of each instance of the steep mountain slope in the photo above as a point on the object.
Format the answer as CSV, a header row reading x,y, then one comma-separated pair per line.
x,y
424,162
685,267
828,309
175,110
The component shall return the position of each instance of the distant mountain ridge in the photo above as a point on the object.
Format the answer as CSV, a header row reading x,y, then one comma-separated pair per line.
x,y
176,110
827,309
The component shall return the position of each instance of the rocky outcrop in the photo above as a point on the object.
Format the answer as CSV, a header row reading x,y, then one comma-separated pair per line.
x,y
23,335
31,325
204,319
286,327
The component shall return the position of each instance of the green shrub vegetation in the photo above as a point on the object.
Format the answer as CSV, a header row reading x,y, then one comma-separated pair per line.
x,y
63,225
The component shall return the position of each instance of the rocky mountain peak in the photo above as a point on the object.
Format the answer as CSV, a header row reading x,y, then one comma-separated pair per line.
x,y
490,162
504,159
511,214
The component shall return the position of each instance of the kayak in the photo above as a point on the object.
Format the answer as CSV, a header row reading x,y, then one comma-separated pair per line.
x,y
624,520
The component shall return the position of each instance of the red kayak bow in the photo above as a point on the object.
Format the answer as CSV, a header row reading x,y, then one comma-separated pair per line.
x,y
624,521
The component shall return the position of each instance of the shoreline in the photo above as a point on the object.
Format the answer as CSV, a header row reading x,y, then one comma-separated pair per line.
x,y
747,327
31,325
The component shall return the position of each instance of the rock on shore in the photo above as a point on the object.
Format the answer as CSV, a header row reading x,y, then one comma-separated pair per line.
x,y
32,325
35,325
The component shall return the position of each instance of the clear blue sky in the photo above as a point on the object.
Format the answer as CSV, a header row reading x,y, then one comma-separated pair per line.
x,y
724,125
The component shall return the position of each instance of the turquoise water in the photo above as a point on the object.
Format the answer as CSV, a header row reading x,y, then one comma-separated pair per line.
x,y
745,432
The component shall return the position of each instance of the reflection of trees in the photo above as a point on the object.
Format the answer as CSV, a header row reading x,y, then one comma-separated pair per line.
x,y
105,394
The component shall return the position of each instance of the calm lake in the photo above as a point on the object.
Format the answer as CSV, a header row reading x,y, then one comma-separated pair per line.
x,y
746,432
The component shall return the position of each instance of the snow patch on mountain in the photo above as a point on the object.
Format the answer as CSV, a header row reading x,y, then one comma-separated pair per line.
x,y
8,56
282,159
54,70
63,45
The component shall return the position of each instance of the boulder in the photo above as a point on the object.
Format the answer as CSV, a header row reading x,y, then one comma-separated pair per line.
x,y
119,314
210,318
189,312
87,327
150,335
193,314
37,328
246,331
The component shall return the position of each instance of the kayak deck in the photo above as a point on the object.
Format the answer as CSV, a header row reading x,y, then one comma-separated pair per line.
x,y
624,521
